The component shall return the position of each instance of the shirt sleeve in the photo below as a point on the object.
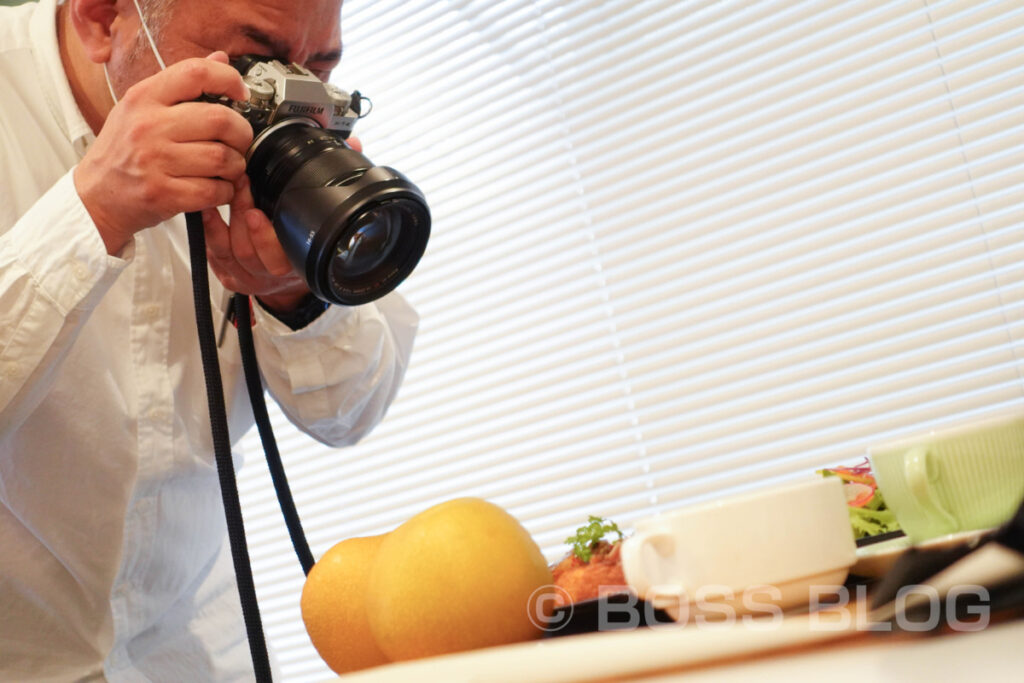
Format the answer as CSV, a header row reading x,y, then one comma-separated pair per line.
x,y
336,377
54,269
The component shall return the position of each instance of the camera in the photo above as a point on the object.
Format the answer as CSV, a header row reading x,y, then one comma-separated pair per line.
x,y
353,230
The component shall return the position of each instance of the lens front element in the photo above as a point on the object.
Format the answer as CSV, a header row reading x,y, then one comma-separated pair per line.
x,y
378,248
369,243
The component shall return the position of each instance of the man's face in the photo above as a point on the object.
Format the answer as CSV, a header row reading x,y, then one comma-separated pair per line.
x,y
307,32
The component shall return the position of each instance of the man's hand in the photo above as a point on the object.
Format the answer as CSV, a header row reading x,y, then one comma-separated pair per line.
x,y
160,153
246,255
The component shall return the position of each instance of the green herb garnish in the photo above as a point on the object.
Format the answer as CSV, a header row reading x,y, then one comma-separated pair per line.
x,y
587,536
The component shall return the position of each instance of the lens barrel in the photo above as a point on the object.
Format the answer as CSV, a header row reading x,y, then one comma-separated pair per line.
x,y
353,230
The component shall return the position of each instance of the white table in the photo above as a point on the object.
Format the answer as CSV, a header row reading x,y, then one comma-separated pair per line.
x,y
824,647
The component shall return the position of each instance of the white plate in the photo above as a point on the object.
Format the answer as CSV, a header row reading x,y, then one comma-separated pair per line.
x,y
874,560
615,654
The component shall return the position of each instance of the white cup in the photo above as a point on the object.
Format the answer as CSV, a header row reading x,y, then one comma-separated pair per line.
x,y
758,551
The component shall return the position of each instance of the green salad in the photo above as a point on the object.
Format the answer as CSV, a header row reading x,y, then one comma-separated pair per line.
x,y
869,515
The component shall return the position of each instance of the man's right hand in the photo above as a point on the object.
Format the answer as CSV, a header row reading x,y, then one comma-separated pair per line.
x,y
161,153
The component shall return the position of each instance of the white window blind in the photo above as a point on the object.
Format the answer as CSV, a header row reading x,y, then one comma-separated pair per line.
x,y
679,248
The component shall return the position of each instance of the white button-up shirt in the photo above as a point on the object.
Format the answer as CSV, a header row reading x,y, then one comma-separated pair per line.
x,y
113,560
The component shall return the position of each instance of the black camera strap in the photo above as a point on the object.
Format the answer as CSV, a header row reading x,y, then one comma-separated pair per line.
x,y
222,443
254,385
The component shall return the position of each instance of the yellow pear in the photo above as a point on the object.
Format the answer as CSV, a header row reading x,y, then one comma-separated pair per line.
x,y
334,606
458,576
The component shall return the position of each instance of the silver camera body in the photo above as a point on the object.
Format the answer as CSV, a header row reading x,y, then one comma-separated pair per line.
x,y
280,94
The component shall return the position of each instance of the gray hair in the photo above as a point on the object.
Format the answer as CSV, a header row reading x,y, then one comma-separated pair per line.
x,y
156,13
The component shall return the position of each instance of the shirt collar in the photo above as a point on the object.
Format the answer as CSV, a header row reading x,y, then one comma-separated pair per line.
x,y
54,82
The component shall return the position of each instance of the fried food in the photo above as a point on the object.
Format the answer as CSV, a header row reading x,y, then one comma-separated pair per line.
x,y
587,579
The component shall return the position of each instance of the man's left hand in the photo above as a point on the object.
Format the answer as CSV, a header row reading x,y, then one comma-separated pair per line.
x,y
246,255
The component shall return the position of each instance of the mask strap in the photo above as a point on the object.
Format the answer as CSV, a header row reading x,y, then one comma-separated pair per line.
x,y
149,36
109,86
152,45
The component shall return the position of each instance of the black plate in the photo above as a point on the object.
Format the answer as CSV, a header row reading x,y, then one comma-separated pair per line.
x,y
614,612
879,538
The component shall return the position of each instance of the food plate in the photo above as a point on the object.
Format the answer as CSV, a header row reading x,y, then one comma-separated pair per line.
x,y
874,560
612,612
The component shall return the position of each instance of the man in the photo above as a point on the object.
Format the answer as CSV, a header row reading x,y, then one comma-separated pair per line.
x,y
113,561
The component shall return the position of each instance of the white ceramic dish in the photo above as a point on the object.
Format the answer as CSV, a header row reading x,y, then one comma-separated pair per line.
x,y
773,547
773,599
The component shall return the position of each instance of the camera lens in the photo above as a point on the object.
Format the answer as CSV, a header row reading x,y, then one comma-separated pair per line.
x,y
368,244
354,230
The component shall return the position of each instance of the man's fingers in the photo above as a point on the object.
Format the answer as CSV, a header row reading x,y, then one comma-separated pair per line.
x,y
186,80
239,263
264,241
245,254
218,245
241,245
208,121
242,201
196,194
219,56
262,253
205,160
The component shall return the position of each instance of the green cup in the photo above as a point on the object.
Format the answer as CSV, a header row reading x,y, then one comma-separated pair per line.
x,y
952,481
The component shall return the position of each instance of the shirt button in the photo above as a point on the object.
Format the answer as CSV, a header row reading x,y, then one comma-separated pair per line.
x,y
152,313
80,272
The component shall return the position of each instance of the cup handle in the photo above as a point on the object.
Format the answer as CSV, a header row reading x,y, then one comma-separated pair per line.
x,y
636,571
919,468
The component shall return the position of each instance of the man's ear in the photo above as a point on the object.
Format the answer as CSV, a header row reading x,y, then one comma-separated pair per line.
x,y
92,21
